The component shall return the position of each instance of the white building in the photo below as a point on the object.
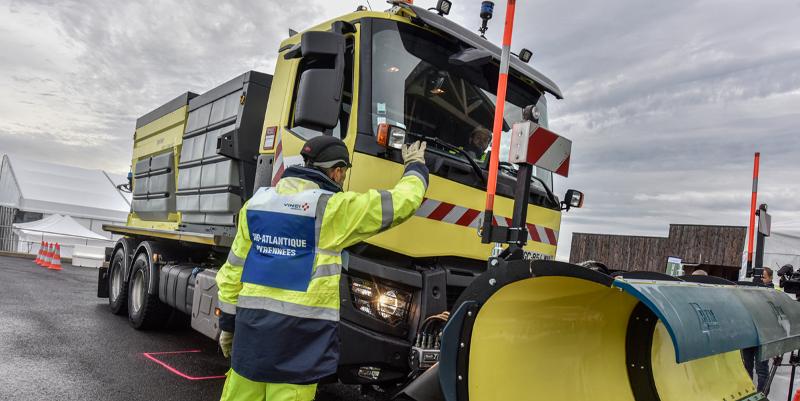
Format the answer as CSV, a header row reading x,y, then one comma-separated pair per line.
x,y
34,190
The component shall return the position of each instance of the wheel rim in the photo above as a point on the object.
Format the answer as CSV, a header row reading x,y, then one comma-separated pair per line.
x,y
116,281
137,297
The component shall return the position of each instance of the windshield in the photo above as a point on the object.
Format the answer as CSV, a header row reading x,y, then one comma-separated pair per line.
x,y
415,86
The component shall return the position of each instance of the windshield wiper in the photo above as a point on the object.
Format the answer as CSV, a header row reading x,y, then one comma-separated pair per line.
x,y
550,196
475,167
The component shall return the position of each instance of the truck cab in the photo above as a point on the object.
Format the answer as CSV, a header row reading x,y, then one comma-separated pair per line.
x,y
409,74
376,80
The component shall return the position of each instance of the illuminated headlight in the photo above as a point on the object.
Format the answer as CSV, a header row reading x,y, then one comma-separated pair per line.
x,y
380,301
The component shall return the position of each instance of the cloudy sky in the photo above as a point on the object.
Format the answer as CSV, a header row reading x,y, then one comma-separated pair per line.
x,y
666,101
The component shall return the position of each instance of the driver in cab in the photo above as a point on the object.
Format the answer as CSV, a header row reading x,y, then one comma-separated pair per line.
x,y
479,140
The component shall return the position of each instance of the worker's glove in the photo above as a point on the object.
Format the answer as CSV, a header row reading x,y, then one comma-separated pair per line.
x,y
226,343
414,153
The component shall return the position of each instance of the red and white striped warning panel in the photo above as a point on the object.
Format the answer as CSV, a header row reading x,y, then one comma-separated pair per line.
x,y
540,147
466,217
278,166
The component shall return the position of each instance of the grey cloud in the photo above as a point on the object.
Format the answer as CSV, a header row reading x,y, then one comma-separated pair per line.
x,y
665,101
129,59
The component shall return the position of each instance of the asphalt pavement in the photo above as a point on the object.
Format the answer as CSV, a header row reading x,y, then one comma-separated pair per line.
x,y
58,341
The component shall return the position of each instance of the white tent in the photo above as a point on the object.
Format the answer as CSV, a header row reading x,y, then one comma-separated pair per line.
x,y
48,188
39,189
56,228
782,248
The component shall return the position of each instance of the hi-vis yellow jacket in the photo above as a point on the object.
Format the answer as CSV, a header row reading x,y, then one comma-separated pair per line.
x,y
279,288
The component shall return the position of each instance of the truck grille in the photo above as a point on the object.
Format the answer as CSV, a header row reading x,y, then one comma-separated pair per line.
x,y
453,292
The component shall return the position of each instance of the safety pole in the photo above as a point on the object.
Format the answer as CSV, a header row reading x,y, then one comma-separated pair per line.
x,y
502,84
752,216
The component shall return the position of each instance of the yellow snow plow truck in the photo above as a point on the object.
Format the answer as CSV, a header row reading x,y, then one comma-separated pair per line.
x,y
431,309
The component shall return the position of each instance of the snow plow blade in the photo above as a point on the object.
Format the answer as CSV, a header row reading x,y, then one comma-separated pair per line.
x,y
549,330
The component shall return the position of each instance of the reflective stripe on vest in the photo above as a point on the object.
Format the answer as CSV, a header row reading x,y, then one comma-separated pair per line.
x,y
235,260
288,308
284,230
387,210
327,270
226,307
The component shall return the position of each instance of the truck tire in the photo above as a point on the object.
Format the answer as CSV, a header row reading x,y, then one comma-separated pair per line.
x,y
117,288
145,310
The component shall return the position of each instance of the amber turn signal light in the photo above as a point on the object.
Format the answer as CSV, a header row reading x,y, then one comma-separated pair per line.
x,y
383,134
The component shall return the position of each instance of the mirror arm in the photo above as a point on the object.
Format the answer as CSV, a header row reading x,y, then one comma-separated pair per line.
x,y
343,27
293,52
339,68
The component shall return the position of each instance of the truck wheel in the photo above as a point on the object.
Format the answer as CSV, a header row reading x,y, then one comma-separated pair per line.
x,y
144,310
117,290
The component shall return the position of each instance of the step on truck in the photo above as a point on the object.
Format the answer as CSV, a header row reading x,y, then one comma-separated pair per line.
x,y
423,315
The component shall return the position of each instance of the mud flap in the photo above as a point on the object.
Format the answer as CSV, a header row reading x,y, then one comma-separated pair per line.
x,y
102,282
550,330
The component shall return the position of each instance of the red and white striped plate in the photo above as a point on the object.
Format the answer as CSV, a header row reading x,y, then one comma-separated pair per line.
x,y
466,217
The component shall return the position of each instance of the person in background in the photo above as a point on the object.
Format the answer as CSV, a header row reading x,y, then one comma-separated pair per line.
x,y
766,277
749,354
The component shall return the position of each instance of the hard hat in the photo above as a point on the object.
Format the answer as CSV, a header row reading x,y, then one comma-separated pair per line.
x,y
326,151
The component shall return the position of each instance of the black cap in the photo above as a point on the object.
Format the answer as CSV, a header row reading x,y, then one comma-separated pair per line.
x,y
326,151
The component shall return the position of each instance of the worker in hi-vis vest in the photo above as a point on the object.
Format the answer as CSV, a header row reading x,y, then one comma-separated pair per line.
x,y
279,288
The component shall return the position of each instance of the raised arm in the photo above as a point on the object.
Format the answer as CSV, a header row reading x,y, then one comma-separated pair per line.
x,y
352,217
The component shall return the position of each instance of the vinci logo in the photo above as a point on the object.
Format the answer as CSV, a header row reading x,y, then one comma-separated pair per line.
x,y
297,206
708,320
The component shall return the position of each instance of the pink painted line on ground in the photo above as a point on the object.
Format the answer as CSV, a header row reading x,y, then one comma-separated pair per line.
x,y
149,355
173,352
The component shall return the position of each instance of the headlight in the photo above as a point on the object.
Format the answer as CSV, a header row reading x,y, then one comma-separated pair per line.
x,y
380,301
393,136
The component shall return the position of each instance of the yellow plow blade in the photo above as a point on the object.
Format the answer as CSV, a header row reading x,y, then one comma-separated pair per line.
x,y
553,331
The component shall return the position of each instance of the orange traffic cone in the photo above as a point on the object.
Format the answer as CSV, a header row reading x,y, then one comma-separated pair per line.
x,y
796,396
38,259
48,255
55,264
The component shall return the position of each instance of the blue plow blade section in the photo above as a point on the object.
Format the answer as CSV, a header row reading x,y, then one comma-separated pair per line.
x,y
709,319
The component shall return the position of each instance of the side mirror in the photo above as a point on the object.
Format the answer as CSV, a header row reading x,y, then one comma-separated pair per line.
x,y
319,90
573,198
316,43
